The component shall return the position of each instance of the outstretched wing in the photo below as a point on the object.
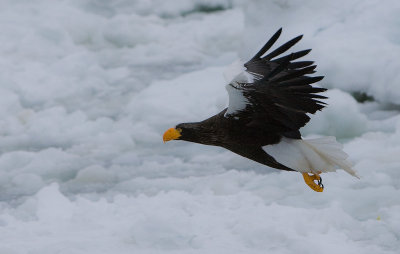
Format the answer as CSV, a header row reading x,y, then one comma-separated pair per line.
x,y
274,93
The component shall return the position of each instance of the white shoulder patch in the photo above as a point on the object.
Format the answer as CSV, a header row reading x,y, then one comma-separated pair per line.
x,y
235,74
237,101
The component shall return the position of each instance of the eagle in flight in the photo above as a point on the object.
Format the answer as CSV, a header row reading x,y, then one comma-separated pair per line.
x,y
270,99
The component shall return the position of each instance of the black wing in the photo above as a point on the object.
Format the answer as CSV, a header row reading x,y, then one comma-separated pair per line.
x,y
280,94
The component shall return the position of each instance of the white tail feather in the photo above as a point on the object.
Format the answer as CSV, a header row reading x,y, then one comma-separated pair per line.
x,y
332,152
312,155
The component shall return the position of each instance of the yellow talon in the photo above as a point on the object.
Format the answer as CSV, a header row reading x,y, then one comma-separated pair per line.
x,y
309,179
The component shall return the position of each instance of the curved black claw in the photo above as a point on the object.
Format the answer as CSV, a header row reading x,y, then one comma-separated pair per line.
x,y
320,182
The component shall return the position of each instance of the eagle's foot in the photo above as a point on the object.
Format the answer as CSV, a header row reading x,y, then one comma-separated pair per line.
x,y
309,179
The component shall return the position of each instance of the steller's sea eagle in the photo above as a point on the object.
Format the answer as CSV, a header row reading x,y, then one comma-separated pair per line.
x,y
269,99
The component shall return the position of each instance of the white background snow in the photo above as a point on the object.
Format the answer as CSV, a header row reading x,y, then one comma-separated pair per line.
x,y
87,89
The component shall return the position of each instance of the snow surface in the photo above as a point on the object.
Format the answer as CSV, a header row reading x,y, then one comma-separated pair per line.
x,y
87,89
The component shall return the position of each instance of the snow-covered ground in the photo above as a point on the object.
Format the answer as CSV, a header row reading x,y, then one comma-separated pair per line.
x,y
88,87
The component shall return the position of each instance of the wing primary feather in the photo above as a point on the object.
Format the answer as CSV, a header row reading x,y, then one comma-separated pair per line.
x,y
296,73
300,64
296,55
311,95
267,45
302,81
283,48
307,89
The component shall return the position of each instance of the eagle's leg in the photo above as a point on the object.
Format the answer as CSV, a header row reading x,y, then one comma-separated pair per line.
x,y
309,179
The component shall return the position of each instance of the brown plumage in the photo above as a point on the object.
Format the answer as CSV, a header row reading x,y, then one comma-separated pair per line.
x,y
268,104
279,99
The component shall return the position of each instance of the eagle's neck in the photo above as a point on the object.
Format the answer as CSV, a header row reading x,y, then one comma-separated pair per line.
x,y
200,133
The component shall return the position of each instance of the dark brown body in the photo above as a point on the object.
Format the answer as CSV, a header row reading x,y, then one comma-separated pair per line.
x,y
234,136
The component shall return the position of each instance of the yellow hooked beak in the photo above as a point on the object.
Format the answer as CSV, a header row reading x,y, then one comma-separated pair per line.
x,y
171,134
